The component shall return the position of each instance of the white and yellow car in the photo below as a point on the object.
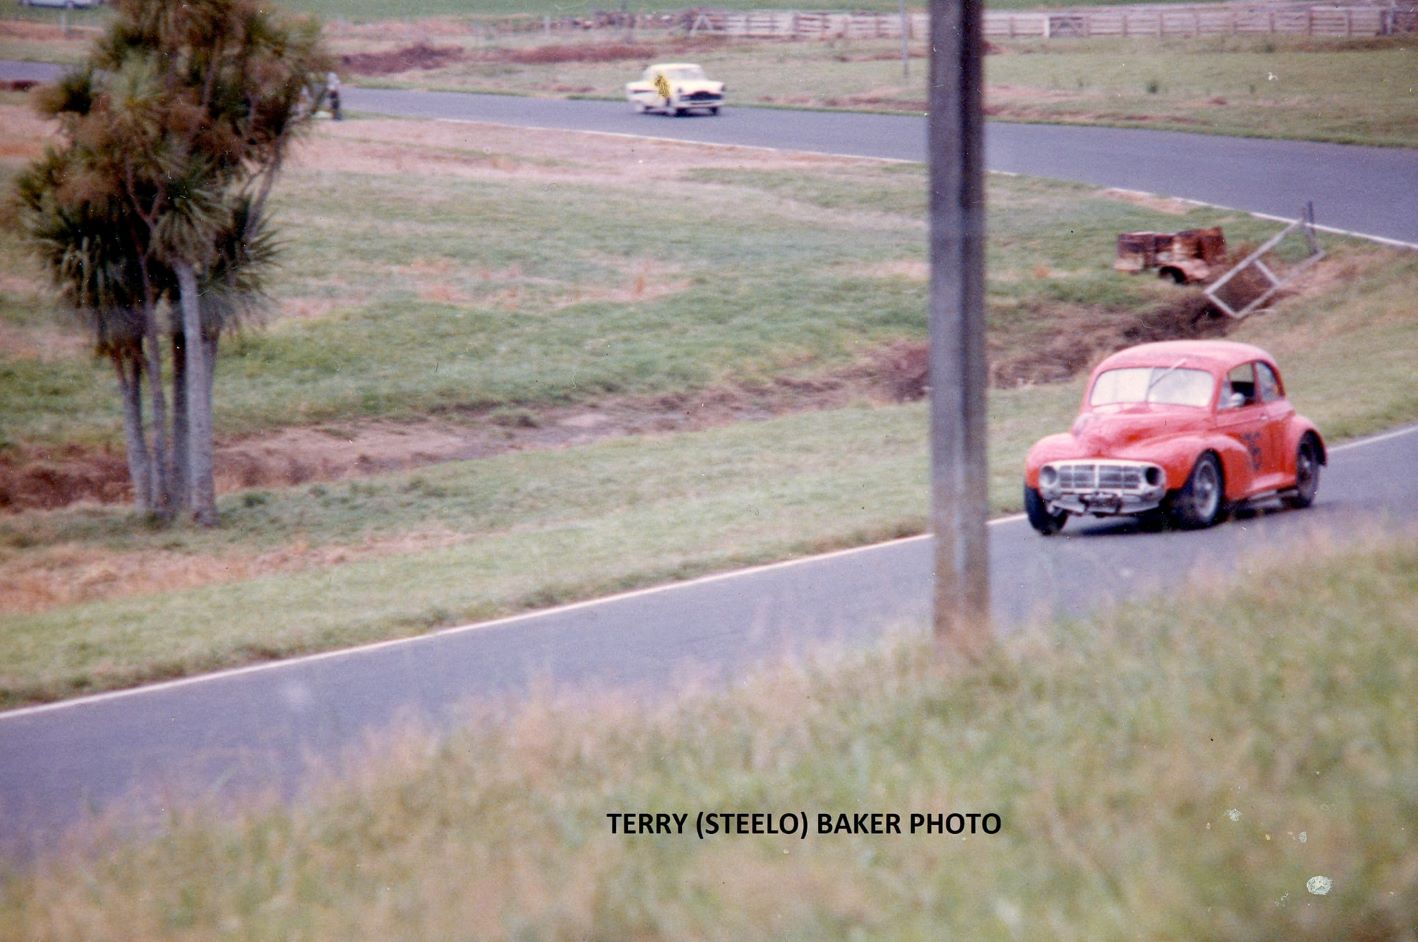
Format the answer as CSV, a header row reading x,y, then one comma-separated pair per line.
x,y
675,88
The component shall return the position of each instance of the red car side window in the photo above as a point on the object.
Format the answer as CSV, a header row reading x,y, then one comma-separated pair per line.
x,y
1269,383
1240,381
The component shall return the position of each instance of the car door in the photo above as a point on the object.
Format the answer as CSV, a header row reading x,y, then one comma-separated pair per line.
x,y
1240,415
1278,412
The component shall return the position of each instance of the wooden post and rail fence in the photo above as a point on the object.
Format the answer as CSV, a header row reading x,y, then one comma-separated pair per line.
x,y
1332,20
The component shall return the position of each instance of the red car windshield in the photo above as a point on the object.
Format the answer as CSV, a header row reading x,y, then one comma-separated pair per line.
x,y
1166,385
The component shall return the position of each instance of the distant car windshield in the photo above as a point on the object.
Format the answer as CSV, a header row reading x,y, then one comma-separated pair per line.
x,y
684,73
1160,384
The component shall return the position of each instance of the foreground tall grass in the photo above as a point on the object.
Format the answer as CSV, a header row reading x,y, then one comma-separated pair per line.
x,y
1175,771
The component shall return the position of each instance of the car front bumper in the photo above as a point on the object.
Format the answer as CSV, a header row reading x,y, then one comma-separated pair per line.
x,y
1102,487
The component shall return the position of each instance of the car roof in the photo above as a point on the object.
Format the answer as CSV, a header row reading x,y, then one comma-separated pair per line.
x,y
1213,355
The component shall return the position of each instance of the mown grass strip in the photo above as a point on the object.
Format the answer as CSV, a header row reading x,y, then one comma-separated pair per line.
x,y
1169,771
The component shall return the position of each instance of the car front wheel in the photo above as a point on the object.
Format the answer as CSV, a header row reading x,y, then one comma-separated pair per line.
x,y
1040,517
1307,474
1199,503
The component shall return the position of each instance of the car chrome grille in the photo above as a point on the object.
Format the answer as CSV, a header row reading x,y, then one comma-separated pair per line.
x,y
1100,477
703,96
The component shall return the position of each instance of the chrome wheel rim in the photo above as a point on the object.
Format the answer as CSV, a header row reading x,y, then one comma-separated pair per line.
x,y
1305,467
1206,491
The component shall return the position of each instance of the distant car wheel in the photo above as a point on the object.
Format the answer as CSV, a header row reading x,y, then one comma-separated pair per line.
x,y
1198,504
1307,474
714,110
1040,517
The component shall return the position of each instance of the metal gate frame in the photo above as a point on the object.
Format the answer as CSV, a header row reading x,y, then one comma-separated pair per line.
x,y
1306,224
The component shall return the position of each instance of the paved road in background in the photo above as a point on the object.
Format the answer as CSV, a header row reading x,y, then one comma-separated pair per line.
x,y
1369,190
254,729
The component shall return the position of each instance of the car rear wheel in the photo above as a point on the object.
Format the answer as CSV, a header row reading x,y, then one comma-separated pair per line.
x,y
714,110
1040,517
1199,503
1307,474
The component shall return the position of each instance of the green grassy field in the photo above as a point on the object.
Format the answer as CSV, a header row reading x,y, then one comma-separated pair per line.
x,y
541,304
495,279
1168,771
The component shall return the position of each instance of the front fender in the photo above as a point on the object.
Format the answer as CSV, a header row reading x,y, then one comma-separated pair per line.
x,y
1059,447
1179,455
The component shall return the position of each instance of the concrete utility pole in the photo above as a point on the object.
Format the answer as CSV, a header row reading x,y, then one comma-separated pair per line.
x,y
905,42
955,140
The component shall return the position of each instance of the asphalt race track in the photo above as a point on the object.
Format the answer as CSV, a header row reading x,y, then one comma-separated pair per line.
x,y
256,729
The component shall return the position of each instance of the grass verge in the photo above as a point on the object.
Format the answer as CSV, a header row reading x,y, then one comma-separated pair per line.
x,y
1175,771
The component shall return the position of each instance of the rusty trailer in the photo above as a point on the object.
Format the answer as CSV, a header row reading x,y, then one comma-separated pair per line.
x,y
1185,257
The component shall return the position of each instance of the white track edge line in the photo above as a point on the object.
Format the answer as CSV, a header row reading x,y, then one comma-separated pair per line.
x,y
539,613
625,135
473,626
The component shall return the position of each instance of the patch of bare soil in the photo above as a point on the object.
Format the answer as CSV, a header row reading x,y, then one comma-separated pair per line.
x,y
43,32
1162,204
41,479
70,574
25,134
489,151
420,55
1080,336
34,478
46,343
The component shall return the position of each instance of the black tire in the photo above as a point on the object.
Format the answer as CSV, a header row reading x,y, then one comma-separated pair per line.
x,y
1152,521
1201,501
714,110
1039,515
1307,474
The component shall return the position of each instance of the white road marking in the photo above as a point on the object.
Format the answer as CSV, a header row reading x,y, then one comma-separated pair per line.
x,y
539,613
1382,240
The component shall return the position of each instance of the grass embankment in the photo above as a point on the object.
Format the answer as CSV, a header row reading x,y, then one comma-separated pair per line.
x,y
744,275
1173,771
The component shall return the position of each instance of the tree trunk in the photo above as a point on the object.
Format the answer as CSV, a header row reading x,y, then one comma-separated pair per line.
x,y
161,482
201,486
179,473
130,370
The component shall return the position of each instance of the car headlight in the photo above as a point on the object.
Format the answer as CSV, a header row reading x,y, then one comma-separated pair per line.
x,y
1154,477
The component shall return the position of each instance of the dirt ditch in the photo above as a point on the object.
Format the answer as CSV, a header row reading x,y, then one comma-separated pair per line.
x,y
38,478
423,56
41,478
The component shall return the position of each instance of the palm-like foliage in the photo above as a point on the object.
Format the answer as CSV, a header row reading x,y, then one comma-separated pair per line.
x,y
174,132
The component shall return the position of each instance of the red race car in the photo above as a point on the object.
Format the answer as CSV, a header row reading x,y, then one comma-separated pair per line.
x,y
1183,430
